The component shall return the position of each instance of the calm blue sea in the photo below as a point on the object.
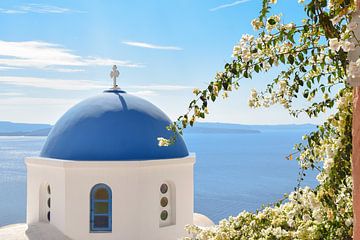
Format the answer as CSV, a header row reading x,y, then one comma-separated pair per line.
x,y
233,172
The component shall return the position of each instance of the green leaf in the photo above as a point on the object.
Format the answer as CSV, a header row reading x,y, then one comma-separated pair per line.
x,y
282,58
246,74
301,56
271,21
308,84
191,122
291,38
291,59
306,93
271,61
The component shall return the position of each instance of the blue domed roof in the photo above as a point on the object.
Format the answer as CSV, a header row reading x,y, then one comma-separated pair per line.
x,y
112,126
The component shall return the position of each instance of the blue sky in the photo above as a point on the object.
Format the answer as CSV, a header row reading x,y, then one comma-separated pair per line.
x,y
54,53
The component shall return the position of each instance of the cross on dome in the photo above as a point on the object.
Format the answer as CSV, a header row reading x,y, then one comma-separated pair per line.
x,y
114,74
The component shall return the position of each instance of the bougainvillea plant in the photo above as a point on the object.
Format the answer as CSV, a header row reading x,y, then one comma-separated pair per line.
x,y
311,57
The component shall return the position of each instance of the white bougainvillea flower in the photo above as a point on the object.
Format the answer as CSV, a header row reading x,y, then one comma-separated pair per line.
x,y
256,24
347,46
335,20
254,93
163,142
334,44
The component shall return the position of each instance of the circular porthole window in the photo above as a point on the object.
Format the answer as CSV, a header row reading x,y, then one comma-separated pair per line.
x,y
47,203
164,215
164,188
164,201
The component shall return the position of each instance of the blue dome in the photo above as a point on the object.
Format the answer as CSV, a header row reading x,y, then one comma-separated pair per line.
x,y
112,126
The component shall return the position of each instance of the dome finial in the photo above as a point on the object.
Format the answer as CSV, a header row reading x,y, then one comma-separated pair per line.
x,y
114,74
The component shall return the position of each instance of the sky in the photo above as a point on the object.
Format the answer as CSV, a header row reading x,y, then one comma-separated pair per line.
x,y
55,53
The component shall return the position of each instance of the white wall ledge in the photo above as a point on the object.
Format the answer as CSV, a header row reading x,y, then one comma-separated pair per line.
x,y
60,163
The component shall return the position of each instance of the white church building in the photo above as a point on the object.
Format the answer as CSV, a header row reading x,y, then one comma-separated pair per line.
x,y
101,174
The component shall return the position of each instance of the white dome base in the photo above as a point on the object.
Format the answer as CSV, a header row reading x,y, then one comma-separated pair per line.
x,y
201,220
61,189
38,231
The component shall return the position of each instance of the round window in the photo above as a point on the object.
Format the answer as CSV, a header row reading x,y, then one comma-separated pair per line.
x,y
164,215
48,189
48,202
164,188
48,216
164,201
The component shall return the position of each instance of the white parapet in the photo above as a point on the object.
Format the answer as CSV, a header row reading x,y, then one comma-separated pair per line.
x,y
136,196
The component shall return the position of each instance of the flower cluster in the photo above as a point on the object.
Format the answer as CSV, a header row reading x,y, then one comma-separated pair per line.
x,y
311,62
307,213
243,49
163,142
336,45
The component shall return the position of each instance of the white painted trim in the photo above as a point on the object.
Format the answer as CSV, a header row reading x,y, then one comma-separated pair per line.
x,y
52,162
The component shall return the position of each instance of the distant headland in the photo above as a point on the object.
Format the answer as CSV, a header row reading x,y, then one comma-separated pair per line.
x,y
29,129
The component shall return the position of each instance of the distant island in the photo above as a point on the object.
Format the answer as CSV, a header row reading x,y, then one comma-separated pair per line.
x,y
29,129
40,132
222,128
24,129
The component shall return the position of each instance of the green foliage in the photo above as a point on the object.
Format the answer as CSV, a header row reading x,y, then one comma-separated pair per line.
x,y
312,57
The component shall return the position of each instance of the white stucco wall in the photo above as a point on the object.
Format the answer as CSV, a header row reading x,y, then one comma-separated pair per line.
x,y
37,176
135,189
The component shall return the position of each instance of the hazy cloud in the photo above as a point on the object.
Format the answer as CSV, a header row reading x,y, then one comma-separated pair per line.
x,y
36,8
165,87
78,85
152,46
25,101
2,68
109,62
145,93
57,84
66,70
44,55
11,94
228,5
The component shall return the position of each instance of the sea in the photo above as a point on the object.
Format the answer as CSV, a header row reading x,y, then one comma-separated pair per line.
x,y
234,171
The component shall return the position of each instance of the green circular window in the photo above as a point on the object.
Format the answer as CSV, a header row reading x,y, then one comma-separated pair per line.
x,y
164,215
164,201
164,188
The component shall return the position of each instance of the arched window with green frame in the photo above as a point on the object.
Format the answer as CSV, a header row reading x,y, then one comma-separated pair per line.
x,y
100,208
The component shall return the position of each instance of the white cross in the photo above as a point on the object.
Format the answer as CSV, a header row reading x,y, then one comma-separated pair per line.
x,y
114,74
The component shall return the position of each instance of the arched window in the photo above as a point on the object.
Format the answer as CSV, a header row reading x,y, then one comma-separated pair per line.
x,y
100,208
167,204
44,202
